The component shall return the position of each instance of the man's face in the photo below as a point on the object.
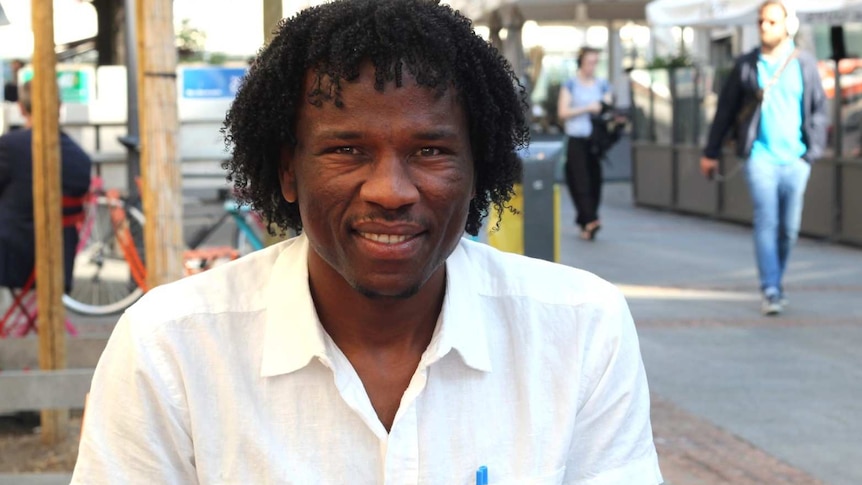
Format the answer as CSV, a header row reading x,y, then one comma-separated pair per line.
x,y
773,25
383,183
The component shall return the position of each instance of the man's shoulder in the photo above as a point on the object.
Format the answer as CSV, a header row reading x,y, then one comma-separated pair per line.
x,y
749,57
71,147
17,137
806,58
502,274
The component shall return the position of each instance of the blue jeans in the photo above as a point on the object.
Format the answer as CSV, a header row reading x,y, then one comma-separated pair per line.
x,y
778,192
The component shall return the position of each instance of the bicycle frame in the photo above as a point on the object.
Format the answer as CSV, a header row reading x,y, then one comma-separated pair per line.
x,y
127,245
239,212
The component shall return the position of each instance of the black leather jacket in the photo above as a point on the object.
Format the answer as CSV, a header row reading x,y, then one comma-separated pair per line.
x,y
741,88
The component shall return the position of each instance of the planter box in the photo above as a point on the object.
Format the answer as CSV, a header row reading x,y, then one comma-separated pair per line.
x,y
652,166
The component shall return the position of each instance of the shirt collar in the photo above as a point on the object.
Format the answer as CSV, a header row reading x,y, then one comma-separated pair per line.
x,y
294,336
788,49
461,326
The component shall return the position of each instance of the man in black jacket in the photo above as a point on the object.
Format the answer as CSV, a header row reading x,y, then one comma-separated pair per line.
x,y
774,100
17,238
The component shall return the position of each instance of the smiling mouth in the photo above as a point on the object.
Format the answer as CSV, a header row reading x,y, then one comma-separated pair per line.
x,y
386,238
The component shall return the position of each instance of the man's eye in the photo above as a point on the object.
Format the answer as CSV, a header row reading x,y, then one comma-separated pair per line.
x,y
429,152
345,150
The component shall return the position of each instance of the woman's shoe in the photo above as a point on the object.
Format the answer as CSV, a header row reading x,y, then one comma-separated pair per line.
x,y
588,233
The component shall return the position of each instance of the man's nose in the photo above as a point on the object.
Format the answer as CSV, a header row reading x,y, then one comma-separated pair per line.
x,y
390,184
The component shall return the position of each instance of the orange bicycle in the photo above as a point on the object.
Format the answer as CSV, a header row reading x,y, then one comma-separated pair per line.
x,y
109,273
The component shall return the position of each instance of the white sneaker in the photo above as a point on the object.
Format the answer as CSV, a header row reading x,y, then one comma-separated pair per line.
x,y
771,305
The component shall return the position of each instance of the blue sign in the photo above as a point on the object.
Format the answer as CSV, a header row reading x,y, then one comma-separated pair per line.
x,y
211,82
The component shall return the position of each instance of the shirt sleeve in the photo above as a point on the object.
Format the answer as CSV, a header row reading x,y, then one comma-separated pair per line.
x,y
730,102
613,441
136,427
819,138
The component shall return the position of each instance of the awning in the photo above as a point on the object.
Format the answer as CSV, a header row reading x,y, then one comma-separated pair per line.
x,y
722,13
3,19
554,11
73,20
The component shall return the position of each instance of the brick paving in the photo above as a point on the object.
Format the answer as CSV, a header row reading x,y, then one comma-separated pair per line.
x,y
693,451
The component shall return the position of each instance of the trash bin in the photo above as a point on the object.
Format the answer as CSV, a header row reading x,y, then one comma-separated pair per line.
x,y
535,230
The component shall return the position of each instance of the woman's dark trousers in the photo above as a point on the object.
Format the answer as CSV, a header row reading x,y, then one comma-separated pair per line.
x,y
584,178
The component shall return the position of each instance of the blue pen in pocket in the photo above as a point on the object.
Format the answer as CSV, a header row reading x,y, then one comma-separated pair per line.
x,y
482,475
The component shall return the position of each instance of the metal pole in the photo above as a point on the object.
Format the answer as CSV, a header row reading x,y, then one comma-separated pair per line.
x,y
837,127
837,133
132,139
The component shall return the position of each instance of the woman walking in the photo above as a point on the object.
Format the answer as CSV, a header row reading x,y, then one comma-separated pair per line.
x,y
581,97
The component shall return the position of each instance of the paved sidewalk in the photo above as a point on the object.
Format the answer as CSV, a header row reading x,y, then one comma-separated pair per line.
x,y
737,398
35,479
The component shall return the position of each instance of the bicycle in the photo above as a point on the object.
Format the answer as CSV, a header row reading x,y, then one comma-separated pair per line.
x,y
109,271
250,228
248,237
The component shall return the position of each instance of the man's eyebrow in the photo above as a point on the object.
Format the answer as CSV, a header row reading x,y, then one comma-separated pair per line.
x,y
340,134
434,134
439,134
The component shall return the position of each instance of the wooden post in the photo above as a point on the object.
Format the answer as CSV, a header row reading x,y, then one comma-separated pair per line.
x,y
272,13
161,188
48,222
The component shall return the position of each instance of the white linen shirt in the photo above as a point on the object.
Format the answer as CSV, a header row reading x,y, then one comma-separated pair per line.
x,y
228,377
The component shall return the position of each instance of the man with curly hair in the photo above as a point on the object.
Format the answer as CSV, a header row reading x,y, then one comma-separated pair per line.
x,y
379,346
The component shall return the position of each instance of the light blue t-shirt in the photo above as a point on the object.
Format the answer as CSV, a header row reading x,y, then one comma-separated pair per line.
x,y
779,139
582,95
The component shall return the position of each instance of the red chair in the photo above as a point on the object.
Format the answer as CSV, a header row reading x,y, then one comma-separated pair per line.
x,y
23,300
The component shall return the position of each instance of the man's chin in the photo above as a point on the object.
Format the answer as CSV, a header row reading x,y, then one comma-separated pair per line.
x,y
770,43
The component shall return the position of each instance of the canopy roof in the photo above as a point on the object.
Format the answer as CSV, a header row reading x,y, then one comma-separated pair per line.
x,y
555,11
715,13
3,19
73,20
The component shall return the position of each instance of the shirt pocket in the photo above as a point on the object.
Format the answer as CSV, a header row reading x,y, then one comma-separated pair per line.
x,y
553,478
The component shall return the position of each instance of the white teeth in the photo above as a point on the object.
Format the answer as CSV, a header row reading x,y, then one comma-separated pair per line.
x,y
384,238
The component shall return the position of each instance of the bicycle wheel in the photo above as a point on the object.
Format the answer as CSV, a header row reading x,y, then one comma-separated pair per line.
x,y
102,282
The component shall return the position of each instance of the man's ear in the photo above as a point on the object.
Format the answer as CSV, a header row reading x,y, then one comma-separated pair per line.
x,y
287,174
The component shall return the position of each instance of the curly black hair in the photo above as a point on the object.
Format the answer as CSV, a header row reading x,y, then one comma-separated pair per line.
x,y
435,44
